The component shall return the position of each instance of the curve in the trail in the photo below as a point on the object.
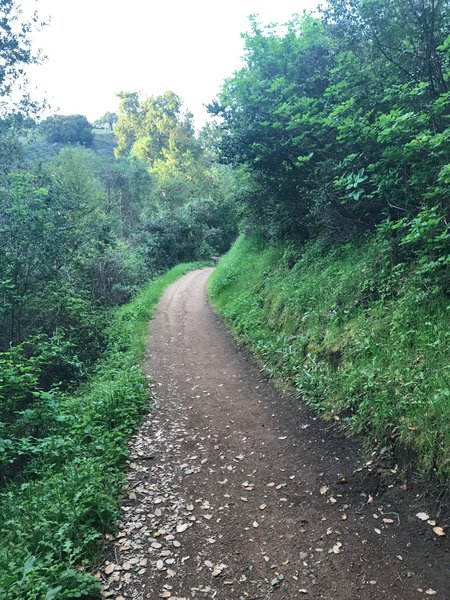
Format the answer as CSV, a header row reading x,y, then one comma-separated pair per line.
x,y
236,491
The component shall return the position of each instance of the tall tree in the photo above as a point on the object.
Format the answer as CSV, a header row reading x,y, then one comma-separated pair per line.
x,y
15,49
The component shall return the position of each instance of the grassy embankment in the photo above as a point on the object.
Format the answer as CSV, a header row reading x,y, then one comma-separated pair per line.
x,y
358,338
68,496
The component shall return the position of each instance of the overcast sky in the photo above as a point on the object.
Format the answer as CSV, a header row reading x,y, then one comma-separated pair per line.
x,y
96,48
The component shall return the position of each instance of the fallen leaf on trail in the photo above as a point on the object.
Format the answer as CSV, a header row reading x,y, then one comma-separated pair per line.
x,y
336,548
333,500
262,506
439,531
247,486
431,522
430,592
255,524
182,527
388,520
422,516
370,499
343,479
377,531
164,594
324,489
189,507
160,565
110,568
217,571
344,517
303,591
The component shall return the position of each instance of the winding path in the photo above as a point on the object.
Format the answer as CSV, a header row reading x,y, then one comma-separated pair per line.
x,y
238,492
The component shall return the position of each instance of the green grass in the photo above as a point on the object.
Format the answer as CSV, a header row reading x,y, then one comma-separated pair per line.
x,y
54,515
355,336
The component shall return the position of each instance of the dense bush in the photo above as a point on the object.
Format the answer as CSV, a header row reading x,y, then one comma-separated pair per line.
x,y
341,121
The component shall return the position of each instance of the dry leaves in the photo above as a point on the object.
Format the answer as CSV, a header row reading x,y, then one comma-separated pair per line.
x,y
422,516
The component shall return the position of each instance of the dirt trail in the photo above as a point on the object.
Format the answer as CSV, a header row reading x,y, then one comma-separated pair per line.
x,y
236,492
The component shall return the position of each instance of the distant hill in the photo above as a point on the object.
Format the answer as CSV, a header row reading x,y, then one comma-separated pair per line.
x,y
36,148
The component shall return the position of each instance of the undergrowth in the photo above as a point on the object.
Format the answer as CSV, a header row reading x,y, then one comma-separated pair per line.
x,y
53,515
360,338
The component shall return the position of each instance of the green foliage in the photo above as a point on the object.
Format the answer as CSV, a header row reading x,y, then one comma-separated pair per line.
x,y
48,220
75,447
341,120
16,53
155,129
67,129
192,210
106,121
355,334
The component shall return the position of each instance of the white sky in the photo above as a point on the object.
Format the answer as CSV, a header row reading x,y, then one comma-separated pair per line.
x,y
96,48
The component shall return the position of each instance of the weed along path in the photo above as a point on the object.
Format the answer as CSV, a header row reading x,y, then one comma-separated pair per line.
x,y
237,492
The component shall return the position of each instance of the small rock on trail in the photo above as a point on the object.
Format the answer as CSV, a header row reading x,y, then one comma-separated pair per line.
x,y
237,492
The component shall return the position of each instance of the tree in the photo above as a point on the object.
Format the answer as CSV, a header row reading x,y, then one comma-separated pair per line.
x,y
342,120
48,219
67,129
15,54
15,51
107,121
154,128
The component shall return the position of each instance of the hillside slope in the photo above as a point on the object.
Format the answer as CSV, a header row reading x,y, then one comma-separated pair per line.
x,y
362,341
